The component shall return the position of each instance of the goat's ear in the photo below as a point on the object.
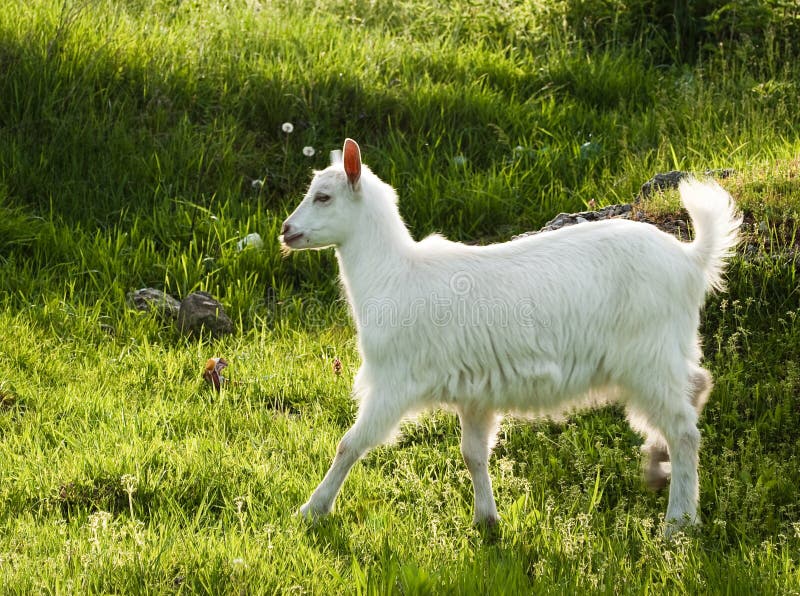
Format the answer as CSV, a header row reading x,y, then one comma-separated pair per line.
x,y
352,161
336,157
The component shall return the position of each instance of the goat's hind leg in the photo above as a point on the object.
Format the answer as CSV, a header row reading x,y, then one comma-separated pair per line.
x,y
377,418
655,451
657,459
672,416
683,440
478,429
656,464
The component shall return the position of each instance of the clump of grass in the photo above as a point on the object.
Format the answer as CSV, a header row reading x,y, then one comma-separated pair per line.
x,y
8,396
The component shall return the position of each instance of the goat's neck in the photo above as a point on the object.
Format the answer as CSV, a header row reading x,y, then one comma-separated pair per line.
x,y
369,260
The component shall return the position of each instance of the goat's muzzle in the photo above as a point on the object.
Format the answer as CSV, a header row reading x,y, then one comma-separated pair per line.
x,y
288,234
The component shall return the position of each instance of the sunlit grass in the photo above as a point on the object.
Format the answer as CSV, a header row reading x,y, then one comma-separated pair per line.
x,y
140,140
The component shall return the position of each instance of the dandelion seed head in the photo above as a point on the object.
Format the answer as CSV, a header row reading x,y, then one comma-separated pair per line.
x,y
308,151
287,127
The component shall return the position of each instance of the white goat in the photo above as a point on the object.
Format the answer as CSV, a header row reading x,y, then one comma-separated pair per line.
x,y
534,326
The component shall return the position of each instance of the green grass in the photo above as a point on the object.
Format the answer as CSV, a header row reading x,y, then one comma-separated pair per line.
x,y
141,139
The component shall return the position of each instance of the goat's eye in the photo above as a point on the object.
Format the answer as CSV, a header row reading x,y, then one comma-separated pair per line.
x,y
321,198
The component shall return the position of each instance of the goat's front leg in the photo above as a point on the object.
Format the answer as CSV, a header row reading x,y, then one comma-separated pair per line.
x,y
376,420
478,431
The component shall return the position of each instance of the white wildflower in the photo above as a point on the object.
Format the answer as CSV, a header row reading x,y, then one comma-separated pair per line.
x,y
130,483
287,127
308,151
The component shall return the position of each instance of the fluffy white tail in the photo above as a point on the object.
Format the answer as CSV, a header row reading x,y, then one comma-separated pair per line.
x,y
716,227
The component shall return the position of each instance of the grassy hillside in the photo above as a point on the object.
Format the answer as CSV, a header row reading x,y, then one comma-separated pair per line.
x,y
140,140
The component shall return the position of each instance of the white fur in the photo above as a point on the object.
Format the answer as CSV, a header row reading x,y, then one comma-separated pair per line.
x,y
530,326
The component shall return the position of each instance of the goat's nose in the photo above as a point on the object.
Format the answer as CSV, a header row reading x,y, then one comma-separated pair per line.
x,y
285,229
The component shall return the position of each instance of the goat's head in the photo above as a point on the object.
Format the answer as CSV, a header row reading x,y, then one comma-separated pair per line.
x,y
330,207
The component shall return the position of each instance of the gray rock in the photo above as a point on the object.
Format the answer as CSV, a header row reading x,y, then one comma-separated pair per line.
x,y
201,312
569,219
670,180
721,173
663,181
150,299
659,182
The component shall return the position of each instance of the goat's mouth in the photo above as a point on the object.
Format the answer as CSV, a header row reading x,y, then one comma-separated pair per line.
x,y
287,240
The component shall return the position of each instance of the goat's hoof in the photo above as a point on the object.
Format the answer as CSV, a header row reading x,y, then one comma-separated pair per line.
x,y
679,525
311,513
488,527
487,522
